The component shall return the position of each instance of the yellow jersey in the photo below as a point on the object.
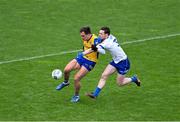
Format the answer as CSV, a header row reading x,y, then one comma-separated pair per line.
x,y
87,45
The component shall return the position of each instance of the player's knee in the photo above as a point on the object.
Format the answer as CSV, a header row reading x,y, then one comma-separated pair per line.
x,y
120,81
104,76
67,70
77,78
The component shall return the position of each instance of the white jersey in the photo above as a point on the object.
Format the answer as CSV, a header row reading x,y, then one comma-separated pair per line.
x,y
114,48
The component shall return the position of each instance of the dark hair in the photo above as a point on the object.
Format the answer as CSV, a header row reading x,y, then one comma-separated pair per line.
x,y
106,30
86,30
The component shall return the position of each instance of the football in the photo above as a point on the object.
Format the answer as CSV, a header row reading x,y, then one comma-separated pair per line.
x,y
56,74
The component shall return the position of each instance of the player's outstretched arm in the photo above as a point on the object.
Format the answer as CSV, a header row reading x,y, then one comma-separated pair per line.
x,y
97,48
101,50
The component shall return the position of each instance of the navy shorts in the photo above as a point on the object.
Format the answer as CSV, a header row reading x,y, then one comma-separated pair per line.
x,y
89,65
122,67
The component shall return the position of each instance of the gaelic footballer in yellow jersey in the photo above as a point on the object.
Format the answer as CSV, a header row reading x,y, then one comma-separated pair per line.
x,y
83,64
88,44
88,61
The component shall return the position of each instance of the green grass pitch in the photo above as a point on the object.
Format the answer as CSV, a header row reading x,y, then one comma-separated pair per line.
x,y
31,28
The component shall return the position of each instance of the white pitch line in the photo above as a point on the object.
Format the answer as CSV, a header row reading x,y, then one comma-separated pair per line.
x,y
152,38
36,57
67,52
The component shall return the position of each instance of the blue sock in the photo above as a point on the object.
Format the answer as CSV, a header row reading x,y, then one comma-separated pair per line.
x,y
134,79
97,91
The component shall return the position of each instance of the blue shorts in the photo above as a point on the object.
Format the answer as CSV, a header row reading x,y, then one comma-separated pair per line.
x,y
89,65
122,67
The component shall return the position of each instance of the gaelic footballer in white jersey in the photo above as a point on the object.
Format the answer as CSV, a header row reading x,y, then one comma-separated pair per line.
x,y
119,63
111,44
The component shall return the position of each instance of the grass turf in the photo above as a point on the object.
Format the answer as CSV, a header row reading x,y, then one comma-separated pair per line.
x,y
39,27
